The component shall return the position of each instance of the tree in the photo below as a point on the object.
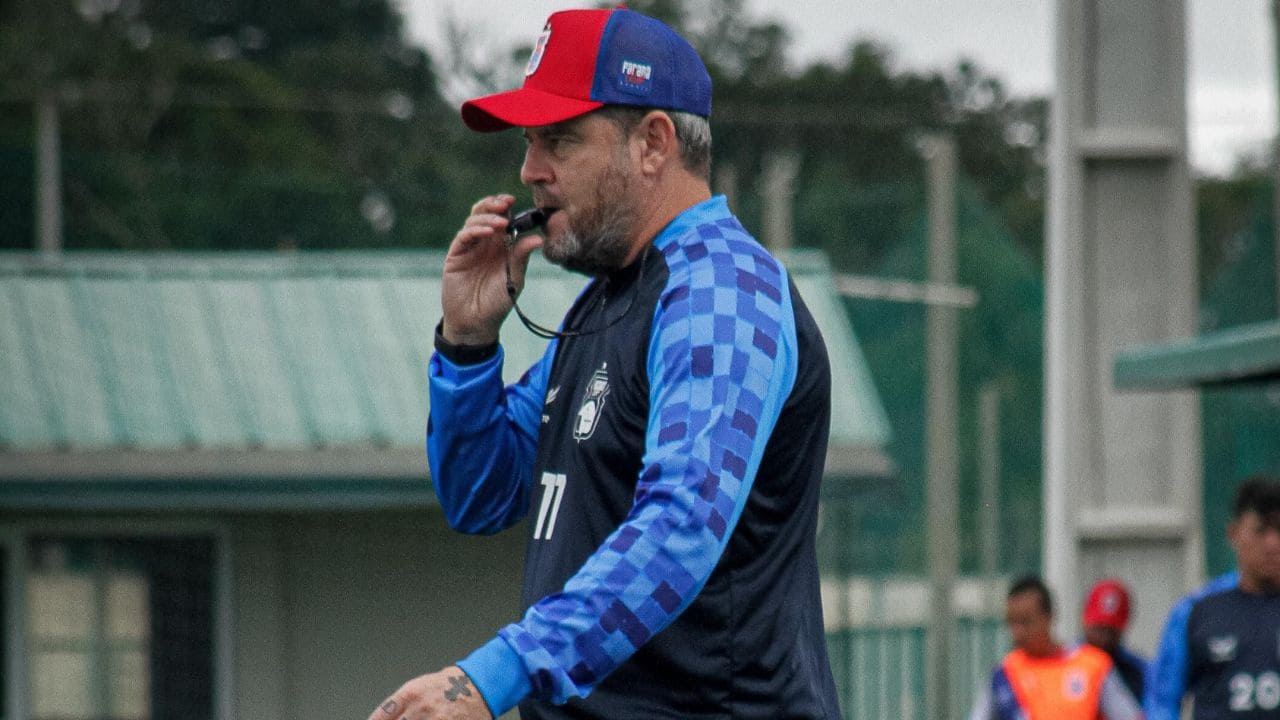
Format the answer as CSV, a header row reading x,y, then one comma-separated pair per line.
x,y
201,125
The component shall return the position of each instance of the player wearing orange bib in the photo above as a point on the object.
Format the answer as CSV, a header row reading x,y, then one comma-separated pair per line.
x,y
1042,680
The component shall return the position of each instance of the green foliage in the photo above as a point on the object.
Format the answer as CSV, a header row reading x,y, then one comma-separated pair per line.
x,y
17,208
1236,259
858,123
197,124
231,125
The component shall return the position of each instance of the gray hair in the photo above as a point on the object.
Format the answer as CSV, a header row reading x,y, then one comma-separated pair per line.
x,y
693,133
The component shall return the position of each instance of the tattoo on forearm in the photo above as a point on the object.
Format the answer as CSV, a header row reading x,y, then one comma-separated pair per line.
x,y
389,707
458,688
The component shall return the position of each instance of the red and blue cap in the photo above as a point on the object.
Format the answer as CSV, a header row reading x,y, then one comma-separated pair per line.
x,y
586,59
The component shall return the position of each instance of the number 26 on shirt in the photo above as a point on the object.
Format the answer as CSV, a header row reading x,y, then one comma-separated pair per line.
x,y
1255,693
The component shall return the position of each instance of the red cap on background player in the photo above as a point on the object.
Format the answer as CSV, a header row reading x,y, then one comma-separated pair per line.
x,y
585,59
1108,605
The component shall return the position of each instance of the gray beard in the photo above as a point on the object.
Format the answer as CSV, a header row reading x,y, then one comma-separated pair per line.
x,y
608,252
597,242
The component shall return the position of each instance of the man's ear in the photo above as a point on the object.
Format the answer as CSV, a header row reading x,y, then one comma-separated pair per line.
x,y
656,135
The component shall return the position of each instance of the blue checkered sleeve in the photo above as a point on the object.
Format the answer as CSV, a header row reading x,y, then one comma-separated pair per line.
x,y
722,360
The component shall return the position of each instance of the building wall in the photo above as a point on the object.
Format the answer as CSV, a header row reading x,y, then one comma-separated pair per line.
x,y
318,614
334,611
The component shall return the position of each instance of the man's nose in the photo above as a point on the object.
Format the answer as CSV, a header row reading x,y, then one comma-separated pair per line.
x,y
535,169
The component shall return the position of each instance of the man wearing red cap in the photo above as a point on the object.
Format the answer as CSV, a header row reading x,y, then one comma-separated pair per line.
x,y
668,447
1106,616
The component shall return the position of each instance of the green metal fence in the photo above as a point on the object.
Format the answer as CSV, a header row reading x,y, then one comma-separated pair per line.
x,y
980,644
878,623
880,671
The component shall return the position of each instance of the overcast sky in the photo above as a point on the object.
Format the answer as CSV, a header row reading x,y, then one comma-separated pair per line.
x,y
1231,87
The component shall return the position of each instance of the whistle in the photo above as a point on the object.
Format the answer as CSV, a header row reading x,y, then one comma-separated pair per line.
x,y
528,220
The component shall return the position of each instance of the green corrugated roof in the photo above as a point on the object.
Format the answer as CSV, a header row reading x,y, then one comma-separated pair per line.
x,y
265,355
1242,354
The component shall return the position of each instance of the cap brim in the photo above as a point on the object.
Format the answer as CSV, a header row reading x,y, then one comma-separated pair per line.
x,y
523,107
1109,621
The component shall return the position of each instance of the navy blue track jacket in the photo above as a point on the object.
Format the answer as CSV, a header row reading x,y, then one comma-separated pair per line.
x,y
1221,646
669,467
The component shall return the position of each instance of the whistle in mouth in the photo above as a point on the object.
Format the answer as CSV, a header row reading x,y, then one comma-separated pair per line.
x,y
528,220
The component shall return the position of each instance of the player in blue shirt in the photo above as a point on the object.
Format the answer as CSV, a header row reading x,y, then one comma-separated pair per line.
x,y
667,449
1221,644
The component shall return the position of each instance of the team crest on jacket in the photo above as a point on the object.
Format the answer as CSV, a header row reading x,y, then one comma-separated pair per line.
x,y
592,404
552,394
1222,649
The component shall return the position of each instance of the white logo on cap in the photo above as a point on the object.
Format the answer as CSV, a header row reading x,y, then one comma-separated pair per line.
x,y
637,77
540,47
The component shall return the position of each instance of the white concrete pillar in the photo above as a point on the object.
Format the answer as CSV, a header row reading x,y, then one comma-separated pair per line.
x,y
1122,470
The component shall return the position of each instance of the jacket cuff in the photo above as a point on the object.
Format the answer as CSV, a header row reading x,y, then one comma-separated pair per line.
x,y
463,354
498,673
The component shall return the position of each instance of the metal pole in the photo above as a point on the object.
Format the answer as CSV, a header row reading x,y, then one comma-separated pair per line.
x,y
727,183
989,517
780,170
940,436
48,176
1275,154
14,566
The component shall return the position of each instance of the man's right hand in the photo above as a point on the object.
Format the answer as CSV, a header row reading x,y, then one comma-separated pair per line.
x,y
474,283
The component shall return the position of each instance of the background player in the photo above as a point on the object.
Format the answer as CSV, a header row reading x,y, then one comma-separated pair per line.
x,y
1040,679
1221,644
1105,619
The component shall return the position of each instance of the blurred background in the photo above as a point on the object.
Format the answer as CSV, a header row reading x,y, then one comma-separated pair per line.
x,y
220,218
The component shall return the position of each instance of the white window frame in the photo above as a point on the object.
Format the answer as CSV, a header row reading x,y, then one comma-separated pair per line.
x,y
15,537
